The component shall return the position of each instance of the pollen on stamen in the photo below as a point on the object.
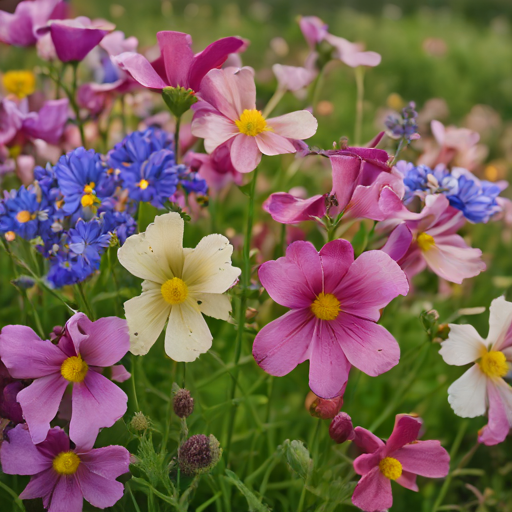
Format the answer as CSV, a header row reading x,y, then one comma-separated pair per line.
x,y
326,306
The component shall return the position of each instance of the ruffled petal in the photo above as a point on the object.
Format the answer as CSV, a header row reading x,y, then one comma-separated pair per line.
x,y
140,69
177,54
373,492
406,430
424,458
499,423
295,125
215,305
500,321
463,346
336,257
245,154
467,395
97,490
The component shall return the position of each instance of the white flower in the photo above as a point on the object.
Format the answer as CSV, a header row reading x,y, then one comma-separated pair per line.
x,y
180,285
483,387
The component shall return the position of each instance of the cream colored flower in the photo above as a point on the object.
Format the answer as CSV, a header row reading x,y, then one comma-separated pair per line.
x,y
180,285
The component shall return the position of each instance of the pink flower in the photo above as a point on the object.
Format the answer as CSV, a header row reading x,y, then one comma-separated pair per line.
x,y
74,39
335,303
177,66
363,185
352,54
430,239
401,458
84,349
63,476
483,386
228,113
293,78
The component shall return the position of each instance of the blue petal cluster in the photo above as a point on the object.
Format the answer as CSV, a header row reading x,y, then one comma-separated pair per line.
x,y
403,126
476,199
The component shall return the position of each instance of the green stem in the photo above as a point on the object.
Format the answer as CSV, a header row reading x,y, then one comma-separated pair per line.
x,y
74,104
317,87
359,71
274,101
14,496
246,281
134,389
398,150
87,306
177,140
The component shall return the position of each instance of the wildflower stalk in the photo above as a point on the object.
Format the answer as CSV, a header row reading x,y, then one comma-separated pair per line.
x,y
317,87
246,281
359,72
274,101
134,388
177,140
87,306
74,104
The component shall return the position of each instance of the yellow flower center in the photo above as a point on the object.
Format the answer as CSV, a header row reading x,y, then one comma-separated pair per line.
x,y
89,189
143,184
326,306
74,369
174,291
66,463
10,236
494,364
252,123
390,468
23,216
20,83
89,197
425,242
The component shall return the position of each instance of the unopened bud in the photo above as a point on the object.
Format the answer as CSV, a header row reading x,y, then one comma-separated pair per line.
x,y
23,282
183,403
324,408
341,428
199,454
139,422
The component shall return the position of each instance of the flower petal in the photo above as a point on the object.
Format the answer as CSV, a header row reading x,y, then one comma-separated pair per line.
x,y
187,335
408,480
499,394
245,154
295,125
406,430
288,209
424,458
463,346
272,144
500,320
367,441
215,305
366,462
140,69
66,496
336,257
398,242
373,492
97,490
215,129
41,485
467,395
108,462
177,54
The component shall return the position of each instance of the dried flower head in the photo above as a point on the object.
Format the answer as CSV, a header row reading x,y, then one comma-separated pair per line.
x,y
183,403
199,454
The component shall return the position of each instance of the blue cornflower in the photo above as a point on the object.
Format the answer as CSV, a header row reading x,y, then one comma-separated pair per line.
x,y
191,181
137,147
24,213
153,181
87,242
403,126
120,223
47,180
84,183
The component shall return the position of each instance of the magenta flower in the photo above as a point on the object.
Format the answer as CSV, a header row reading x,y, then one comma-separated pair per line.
x,y
352,54
78,359
18,28
430,239
228,113
293,78
63,476
401,458
335,303
363,184
177,66
74,39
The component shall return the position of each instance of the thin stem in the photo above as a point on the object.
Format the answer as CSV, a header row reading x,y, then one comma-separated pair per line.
x,y
246,281
317,87
14,496
274,101
87,306
134,388
398,150
359,71
177,140
74,104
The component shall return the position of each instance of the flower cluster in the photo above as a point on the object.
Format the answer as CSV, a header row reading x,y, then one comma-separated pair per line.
x,y
404,126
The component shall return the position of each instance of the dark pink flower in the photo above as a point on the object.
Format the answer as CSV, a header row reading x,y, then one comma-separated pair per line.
x,y
82,352
335,303
63,476
401,458
177,66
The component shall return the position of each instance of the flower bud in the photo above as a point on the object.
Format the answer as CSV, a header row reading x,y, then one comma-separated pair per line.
x,y
23,282
183,403
324,408
341,428
199,454
139,422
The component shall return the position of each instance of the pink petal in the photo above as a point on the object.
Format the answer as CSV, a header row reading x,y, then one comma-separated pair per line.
x,y
294,280
109,462
368,346
328,366
177,55
73,43
26,356
284,343
40,403
371,283
271,144
97,490
213,56
107,342
336,257
245,154
49,122
408,480
424,458
345,173
20,456
67,496
288,209
367,441
498,425
215,129
97,403
398,242
120,373
366,462
295,125
313,29
373,492
293,78
41,485
140,69
406,430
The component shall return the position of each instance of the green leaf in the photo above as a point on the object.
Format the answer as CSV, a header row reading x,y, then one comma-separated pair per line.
x,y
298,458
246,189
360,239
254,503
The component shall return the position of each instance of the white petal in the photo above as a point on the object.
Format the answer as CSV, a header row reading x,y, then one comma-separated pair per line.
x,y
214,305
146,316
500,320
467,395
463,346
165,237
187,335
208,268
136,257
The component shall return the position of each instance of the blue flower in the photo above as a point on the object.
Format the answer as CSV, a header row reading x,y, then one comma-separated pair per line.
x,y
153,181
120,223
191,181
87,242
137,147
84,183
403,126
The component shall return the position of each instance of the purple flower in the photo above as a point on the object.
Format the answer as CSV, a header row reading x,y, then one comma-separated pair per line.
x,y
9,408
82,351
63,476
